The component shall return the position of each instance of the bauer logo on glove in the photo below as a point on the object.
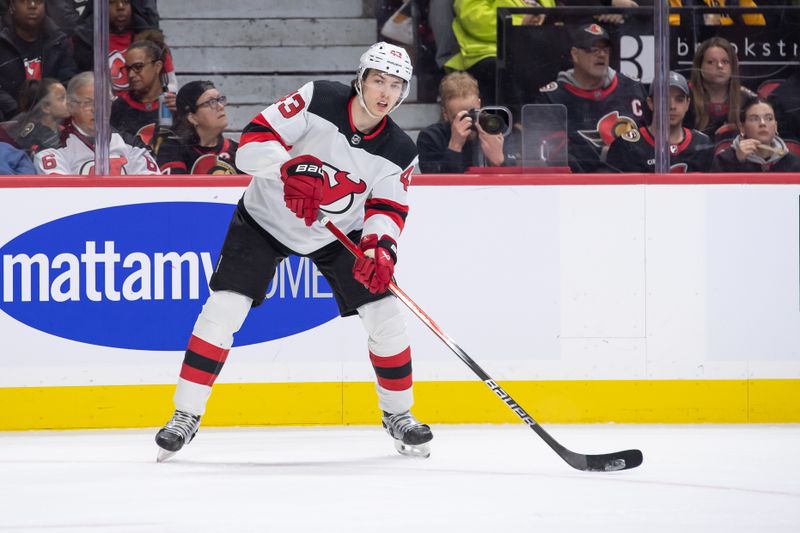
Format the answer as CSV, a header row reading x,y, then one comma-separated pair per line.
x,y
303,184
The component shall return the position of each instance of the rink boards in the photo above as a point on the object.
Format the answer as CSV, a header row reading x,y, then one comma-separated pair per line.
x,y
603,298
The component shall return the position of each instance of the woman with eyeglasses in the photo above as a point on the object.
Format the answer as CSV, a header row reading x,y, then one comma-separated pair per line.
x,y
757,148
195,144
136,112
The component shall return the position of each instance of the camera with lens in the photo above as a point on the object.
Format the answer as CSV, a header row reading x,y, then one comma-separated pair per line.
x,y
490,119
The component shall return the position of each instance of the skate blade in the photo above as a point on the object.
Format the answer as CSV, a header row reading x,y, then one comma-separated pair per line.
x,y
164,455
423,451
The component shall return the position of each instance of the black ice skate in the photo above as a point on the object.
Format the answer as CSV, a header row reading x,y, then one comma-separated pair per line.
x,y
410,436
178,432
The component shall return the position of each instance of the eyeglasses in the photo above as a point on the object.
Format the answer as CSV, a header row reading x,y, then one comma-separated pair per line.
x,y
136,67
83,104
594,50
215,103
757,119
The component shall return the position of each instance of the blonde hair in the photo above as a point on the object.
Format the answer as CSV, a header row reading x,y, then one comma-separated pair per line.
x,y
699,91
457,85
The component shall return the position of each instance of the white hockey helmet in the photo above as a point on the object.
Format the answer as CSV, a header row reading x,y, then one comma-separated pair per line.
x,y
390,59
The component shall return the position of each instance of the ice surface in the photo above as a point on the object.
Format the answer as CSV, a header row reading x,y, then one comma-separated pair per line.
x,y
705,478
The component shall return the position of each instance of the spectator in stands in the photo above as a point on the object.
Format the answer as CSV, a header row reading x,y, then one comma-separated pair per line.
x,y
195,145
43,107
689,150
66,14
757,148
475,28
451,146
135,112
31,47
719,19
120,13
601,103
77,154
786,101
717,91
14,161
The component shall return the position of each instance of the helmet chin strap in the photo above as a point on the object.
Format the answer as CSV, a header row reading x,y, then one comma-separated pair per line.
x,y
361,100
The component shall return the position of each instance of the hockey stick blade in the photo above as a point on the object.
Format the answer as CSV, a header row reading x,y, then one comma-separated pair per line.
x,y
609,462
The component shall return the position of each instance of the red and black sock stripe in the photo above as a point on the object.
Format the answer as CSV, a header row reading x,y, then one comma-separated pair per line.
x,y
394,372
202,362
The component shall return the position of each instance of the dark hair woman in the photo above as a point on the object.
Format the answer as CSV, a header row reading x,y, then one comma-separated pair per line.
x,y
195,144
757,148
717,92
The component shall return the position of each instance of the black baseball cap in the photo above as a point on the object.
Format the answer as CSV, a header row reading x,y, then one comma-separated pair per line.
x,y
675,80
589,35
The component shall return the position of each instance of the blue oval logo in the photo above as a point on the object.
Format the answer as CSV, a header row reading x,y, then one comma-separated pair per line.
x,y
136,277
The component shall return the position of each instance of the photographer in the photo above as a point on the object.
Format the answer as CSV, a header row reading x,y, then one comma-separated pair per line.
x,y
451,146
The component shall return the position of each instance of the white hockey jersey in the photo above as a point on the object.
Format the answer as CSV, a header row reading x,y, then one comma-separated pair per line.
x,y
366,176
77,157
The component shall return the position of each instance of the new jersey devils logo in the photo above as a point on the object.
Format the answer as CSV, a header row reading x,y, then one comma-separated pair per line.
x,y
119,78
609,128
340,190
33,69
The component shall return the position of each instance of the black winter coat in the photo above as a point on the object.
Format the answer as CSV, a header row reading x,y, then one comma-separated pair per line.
x,y
57,62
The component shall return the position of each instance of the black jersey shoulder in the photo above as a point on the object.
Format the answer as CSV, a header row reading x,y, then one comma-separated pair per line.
x,y
330,101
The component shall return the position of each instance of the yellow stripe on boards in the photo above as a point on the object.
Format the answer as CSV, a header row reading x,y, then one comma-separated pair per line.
x,y
449,402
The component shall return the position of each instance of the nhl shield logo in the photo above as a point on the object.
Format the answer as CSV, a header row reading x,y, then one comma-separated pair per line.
x,y
355,139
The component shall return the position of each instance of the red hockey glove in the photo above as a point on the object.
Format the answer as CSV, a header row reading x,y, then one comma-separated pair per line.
x,y
375,270
303,182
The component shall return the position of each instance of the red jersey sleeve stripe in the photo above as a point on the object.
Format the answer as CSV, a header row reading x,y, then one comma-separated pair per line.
x,y
381,206
259,130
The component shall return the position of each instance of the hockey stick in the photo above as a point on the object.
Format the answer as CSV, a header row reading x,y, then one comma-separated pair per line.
x,y
607,462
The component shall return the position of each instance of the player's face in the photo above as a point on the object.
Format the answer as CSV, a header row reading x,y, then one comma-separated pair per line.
x,y
143,72
56,105
454,106
81,107
594,61
381,92
27,14
210,114
716,66
678,106
119,15
760,123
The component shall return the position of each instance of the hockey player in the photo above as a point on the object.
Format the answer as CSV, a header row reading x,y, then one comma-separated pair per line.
x,y
77,154
689,149
601,103
325,148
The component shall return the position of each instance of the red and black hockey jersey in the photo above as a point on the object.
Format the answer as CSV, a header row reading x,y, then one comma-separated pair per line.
x,y
132,118
634,151
595,117
366,174
175,156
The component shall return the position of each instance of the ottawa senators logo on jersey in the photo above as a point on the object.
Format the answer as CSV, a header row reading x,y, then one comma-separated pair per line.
x,y
340,190
609,127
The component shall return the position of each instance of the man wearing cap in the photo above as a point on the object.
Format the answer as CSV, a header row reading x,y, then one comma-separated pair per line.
x,y
689,150
601,102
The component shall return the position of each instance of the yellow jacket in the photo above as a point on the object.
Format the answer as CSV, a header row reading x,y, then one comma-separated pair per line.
x,y
475,27
751,19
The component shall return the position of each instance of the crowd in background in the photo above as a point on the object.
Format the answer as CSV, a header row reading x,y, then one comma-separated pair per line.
x,y
47,112
159,127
